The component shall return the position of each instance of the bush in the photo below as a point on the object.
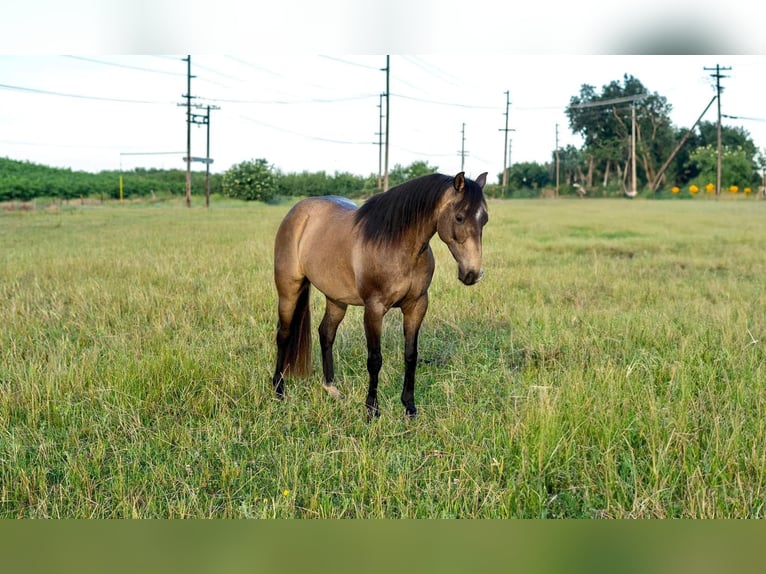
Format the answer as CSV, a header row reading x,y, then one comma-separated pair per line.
x,y
250,180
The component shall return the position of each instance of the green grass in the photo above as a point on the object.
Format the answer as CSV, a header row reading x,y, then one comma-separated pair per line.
x,y
610,364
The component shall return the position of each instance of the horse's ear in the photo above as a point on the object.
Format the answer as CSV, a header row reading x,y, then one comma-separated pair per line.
x,y
460,181
482,180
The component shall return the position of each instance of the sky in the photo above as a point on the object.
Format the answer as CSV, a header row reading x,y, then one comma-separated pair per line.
x,y
303,93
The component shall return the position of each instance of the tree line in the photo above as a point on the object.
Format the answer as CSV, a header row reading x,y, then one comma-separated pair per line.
x,y
248,180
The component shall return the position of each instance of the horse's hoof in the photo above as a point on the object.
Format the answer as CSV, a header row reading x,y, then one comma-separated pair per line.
x,y
409,408
373,412
333,391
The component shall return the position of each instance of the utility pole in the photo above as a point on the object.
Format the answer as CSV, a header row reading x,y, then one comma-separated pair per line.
x,y
208,160
199,119
718,90
380,142
633,190
557,160
188,97
387,69
505,142
462,150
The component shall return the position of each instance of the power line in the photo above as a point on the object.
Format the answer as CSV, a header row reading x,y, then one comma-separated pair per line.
x,y
749,119
79,96
293,102
438,103
126,66
316,138
254,66
150,152
432,70
217,73
348,63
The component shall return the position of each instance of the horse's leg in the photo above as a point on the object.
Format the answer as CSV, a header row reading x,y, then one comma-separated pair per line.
x,y
283,334
373,324
413,318
333,315
288,300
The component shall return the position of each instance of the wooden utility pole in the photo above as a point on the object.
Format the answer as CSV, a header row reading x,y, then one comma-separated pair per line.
x,y
388,110
558,161
199,119
462,149
505,142
192,118
188,97
633,190
208,160
380,142
718,90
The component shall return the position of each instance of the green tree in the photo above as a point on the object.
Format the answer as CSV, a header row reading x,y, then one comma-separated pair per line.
x,y
528,175
733,138
250,180
736,167
400,174
604,120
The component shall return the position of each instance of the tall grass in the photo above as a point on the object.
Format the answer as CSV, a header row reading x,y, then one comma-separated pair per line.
x,y
610,364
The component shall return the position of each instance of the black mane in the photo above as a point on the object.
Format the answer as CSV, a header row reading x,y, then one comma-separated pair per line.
x,y
386,216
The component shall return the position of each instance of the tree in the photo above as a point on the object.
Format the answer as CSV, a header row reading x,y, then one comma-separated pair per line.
x,y
528,175
736,167
250,180
605,121
400,174
733,138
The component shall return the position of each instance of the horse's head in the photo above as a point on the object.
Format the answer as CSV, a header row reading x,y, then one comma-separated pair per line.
x,y
462,218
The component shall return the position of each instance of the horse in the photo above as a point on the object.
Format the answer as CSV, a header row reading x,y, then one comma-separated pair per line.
x,y
377,256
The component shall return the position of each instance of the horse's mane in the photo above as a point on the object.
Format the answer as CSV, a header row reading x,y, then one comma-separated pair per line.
x,y
386,216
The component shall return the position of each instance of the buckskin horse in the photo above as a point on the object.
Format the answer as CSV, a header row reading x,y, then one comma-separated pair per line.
x,y
377,256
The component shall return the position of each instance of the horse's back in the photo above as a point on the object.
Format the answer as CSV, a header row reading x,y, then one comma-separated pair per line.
x,y
315,241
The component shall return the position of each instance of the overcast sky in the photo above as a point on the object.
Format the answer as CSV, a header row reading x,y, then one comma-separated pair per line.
x,y
293,91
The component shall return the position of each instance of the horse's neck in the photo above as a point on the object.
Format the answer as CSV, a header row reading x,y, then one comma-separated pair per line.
x,y
424,232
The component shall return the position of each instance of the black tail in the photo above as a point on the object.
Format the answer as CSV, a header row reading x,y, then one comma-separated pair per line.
x,y
298,348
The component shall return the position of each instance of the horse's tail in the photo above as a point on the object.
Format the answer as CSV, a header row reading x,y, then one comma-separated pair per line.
x,y
298,348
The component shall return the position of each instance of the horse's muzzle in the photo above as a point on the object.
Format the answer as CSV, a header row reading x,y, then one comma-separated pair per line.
x,y
471,277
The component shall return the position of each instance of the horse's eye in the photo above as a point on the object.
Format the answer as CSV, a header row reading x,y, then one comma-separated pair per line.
x,y
459,218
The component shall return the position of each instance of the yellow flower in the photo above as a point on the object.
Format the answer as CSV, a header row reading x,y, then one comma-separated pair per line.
x,y
733,189
748,190
693,188
675,189
710,188
286,493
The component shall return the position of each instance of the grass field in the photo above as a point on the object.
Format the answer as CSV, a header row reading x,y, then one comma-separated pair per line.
x,y
610,364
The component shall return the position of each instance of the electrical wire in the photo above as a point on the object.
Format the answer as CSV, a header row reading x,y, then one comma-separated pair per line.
x,y
78,96
291,102
316,138
125,66
743,118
